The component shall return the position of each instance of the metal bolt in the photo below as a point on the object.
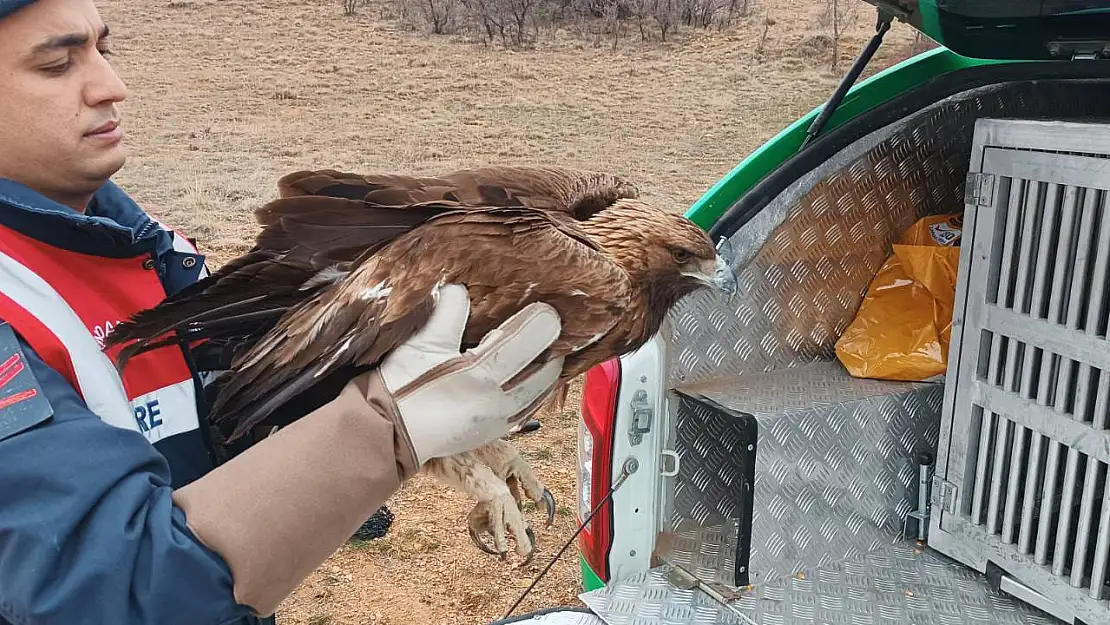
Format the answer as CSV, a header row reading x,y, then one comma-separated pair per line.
x,y
632,553
643,378
743,569
751,447
632,465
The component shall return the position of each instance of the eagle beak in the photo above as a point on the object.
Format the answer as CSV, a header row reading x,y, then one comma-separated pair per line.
x,y
725,278
718,275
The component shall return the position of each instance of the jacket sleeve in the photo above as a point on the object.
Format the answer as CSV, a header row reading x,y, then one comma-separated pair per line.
x,y
89,532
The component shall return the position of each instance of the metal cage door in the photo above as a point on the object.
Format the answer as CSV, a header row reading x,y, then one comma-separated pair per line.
x,y
1021,490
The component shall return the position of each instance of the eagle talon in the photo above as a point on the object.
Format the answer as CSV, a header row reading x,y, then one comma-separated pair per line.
x,y
483,545
549,503
531,552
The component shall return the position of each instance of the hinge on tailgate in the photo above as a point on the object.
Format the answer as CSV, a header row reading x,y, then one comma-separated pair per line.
x,y
1080,50
979,189
944,495
642,414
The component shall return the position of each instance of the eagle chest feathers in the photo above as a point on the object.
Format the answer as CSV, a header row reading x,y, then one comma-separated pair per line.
x,y
346,268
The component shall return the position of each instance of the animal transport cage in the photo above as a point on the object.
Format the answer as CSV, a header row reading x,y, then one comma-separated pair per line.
x,y
1021,490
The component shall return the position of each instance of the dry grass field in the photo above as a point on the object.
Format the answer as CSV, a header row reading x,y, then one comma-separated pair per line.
x,y
227,95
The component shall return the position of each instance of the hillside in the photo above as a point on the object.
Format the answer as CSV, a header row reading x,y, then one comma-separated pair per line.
x,y
228,95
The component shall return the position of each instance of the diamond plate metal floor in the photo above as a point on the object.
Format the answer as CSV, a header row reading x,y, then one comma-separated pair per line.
x,y
814,386
829,473
899,585
707,551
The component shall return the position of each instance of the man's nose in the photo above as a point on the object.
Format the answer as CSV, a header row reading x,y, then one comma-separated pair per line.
x,y
104,85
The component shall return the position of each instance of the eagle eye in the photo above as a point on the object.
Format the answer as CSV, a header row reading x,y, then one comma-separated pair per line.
x,y
681,256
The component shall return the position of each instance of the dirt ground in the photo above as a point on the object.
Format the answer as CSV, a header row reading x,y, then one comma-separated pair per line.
x,y
228,95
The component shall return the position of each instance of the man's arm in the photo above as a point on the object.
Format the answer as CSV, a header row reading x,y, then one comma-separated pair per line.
x,y
278,509
88,521
89,532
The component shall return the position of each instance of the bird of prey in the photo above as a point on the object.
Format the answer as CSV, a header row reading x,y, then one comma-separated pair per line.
x,y
345,267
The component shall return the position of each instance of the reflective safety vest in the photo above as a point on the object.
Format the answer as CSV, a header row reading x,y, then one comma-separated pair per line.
x,y
64,303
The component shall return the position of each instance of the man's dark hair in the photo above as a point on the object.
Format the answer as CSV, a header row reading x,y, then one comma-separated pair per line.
x,y
7,7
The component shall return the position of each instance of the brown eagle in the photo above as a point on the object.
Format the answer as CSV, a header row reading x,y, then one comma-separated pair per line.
x,y
344,269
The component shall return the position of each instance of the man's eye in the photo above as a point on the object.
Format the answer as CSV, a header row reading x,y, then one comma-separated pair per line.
x,y
57,68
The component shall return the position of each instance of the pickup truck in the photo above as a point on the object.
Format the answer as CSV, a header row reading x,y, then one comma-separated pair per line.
x,y
732,471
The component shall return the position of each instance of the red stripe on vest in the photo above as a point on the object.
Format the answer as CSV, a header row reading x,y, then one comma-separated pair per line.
x,y
41,339
102,292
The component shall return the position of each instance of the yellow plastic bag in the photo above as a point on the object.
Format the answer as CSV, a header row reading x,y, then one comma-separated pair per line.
x,y
904,324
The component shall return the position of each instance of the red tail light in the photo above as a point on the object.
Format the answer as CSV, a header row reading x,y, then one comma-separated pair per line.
x,y
600,390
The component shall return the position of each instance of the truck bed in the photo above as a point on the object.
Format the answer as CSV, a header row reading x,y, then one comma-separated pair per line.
x,y
832,479
899,584
795,497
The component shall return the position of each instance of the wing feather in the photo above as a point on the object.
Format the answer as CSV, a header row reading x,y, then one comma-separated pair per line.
x,y
306,242
507,258
575,193
345,266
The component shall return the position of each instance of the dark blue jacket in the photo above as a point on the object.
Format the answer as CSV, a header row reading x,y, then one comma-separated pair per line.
x,y
88,530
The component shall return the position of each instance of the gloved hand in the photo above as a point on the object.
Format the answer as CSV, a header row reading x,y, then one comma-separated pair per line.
x,y
451,402
277,510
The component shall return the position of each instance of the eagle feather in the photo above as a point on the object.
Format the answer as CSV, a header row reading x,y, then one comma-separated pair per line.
x,y
345,267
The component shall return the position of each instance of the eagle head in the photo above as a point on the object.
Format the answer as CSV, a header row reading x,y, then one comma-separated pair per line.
x,y
663,252
681,257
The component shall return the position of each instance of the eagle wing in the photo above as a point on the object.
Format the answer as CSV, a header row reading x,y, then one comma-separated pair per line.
x,y
506,257
305,243
578,194
324,219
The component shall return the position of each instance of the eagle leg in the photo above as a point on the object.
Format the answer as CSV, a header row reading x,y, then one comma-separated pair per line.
x,y
509,465
495,516
496,511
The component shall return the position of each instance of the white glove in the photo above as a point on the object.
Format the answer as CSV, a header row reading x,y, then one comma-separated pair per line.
x,y
452,402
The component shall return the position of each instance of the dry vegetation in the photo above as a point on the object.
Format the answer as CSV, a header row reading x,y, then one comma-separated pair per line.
x,y
227,95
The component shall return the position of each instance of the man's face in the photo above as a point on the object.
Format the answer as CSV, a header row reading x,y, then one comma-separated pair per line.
x,y
59,131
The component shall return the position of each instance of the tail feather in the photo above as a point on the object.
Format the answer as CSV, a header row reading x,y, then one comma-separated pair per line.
x,y
556,402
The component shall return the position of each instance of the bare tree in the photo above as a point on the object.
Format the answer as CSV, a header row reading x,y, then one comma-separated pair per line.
x,y
522,12
768,22
439,14
839,15
736,8
698,13
349,7
642,10
613,22
704,12
515,23
519,23
482,18
666,16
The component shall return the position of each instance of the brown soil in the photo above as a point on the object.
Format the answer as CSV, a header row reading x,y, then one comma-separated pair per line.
x,y
228,95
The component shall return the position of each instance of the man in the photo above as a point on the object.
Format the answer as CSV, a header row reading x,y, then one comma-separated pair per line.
x,y
111,508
